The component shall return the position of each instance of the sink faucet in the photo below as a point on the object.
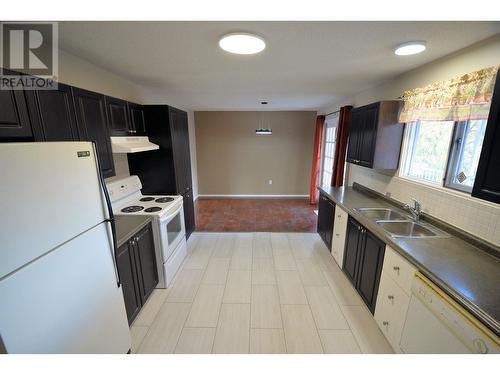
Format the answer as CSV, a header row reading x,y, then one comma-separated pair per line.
x,y
416,210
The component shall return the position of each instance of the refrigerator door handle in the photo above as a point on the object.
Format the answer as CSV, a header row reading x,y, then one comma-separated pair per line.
x,y
111,218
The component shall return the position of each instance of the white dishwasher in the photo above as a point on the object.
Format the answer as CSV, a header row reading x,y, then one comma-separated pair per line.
x,y
437,324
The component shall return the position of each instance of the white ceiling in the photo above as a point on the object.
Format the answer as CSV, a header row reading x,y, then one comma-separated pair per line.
x,y
305,66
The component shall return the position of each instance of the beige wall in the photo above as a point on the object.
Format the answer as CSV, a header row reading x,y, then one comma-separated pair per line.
x,y
78,72
81,73
473,215
233,160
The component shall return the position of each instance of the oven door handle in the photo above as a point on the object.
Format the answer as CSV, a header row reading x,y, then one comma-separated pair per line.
x,y
173,214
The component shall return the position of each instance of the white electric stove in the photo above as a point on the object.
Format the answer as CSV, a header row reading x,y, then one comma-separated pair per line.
x,y
167,220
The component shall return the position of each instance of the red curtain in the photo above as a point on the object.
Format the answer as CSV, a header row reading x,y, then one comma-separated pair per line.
x,y
316,162
340,150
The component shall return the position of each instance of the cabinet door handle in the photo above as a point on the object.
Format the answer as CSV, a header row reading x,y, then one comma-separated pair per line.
x,y
395,268
385,323
339,216
390,297
338,235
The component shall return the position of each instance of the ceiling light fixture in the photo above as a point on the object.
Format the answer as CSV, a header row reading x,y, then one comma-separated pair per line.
x,y
410,48
242,43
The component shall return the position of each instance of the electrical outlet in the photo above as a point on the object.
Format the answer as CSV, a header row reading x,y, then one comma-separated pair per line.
x,y
270,182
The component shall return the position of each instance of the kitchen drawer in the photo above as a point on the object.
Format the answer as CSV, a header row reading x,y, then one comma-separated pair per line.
x,y
399,269
339,232
391,309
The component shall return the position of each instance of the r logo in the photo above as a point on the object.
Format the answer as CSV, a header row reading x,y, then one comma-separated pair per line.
x,y
28,48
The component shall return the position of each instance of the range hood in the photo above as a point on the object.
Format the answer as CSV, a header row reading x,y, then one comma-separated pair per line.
x,y
124,145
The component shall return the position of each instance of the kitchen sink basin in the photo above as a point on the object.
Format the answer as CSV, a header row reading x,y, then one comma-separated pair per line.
x,y
381,214
407,229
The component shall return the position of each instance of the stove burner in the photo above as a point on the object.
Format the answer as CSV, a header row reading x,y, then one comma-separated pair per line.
x,y
152,209
132,209
164,200
147,199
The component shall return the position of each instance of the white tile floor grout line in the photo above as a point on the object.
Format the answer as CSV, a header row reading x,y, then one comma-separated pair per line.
x,y
301,246
251,295
343,315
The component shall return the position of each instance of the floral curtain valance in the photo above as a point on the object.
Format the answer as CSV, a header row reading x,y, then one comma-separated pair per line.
x,y
463,98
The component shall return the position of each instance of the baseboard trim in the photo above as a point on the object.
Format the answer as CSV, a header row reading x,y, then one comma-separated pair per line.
x,y
252,196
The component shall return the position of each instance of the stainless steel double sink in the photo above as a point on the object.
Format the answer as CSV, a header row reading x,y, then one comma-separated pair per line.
x,y
400,225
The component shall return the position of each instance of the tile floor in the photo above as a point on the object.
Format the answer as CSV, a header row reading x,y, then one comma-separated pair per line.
x,y
255,215
257,293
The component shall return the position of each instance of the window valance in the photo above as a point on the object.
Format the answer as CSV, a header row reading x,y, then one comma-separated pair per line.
x,y
459,99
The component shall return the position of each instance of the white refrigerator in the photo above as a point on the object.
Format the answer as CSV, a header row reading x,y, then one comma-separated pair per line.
x,y
59,286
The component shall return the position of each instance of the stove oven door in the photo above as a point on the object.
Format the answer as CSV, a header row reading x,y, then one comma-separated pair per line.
x,y
172,231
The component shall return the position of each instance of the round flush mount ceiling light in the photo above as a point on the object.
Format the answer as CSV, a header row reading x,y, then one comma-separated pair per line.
x,y
242,43
410,48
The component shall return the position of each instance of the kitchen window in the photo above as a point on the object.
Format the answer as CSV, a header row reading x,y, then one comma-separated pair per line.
x,y
464,155
443,153
329,140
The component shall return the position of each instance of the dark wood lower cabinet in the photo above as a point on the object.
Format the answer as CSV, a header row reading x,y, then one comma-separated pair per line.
x,y
351,251
126,267
363,260
146,262
136,261
370,269
326,213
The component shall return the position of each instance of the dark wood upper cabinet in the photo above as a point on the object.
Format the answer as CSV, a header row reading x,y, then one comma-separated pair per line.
x,y
368,136
125,118
363,260
118,116
375,135
167,170
180,146
326,213
354,136
92,125
52,113
487,182
137,119
14,119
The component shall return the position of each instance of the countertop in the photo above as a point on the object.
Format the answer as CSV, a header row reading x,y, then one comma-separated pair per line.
x,y
128,225
466,273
